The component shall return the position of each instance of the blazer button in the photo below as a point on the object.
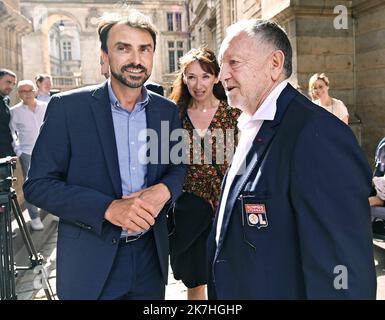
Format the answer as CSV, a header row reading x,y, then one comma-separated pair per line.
x,y
114,241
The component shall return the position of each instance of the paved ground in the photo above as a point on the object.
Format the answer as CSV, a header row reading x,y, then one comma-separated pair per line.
x,y
45,242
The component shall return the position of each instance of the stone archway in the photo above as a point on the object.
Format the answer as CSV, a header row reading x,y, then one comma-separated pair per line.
x,y
64,50
84,14
70,55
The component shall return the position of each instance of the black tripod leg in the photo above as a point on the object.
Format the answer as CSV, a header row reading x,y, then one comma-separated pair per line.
x,y
7,279
3,267
35,257
46,285
18,214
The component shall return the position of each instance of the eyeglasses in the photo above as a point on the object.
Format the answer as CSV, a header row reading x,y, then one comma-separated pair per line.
x,y
26,91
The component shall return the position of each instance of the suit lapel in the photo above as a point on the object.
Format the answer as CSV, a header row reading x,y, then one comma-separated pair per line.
x,y
255,156
103,118
153,122
253,159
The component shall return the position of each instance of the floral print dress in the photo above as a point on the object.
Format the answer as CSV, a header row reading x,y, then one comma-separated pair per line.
x,y
210,155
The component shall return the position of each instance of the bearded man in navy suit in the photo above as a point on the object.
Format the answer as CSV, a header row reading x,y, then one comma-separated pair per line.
x,y
89,167
294,219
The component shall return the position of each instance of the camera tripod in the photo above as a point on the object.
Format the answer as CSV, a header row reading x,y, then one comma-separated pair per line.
x,y
8,269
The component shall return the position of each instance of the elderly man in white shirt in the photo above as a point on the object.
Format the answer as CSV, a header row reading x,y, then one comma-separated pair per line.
x,y
26,120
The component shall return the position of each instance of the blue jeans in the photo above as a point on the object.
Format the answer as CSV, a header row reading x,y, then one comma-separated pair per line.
x,y
25,161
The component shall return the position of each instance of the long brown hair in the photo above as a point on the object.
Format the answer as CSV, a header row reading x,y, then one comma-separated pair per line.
x,y
208,62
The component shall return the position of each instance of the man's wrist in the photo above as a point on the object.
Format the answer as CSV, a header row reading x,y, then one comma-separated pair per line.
x,y
165,191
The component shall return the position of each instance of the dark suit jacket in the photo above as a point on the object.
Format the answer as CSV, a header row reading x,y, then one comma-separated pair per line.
x,y
75,175
307,172
5,134
154,87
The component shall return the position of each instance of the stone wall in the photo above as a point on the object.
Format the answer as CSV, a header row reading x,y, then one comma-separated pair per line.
x,y
353,58
321,48
370,72
12,25
14,4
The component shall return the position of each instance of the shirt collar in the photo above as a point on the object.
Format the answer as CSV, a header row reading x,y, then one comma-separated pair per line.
x,y
138,105
266,111
40,94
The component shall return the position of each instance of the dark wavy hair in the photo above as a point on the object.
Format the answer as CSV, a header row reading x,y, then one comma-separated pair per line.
x,y
131,17
208,62
6,72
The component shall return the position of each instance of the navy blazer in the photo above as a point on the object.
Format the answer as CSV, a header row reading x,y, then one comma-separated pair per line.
x,y
308,177
75,175
154,87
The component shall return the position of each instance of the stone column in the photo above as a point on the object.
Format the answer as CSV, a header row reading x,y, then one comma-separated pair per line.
x,y
36,55
90,53
369,35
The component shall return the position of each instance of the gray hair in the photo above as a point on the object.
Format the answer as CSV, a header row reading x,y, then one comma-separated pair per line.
x,y
26,82
267,31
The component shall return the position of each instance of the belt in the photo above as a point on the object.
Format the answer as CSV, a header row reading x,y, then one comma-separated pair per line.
x,y
129,239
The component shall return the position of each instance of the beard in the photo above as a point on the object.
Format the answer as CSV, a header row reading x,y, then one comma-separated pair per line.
x,y
5,92
131,81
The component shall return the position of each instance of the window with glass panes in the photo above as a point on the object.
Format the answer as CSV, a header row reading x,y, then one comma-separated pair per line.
x,y
170,21
175,51
67,50
174,21
178,21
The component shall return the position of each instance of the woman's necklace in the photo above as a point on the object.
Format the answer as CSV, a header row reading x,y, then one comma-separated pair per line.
x,y
205,110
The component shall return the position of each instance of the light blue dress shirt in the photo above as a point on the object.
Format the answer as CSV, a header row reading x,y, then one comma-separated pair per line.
x,y
45,98
127,126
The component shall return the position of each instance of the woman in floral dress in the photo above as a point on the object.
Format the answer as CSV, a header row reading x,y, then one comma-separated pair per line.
x,y
212,131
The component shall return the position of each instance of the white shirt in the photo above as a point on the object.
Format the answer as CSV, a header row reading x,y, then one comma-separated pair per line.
x,y
43,97
337,107
25,126
248,127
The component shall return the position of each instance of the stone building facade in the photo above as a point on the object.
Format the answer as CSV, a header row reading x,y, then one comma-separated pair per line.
x,y
369,70
13,26
344,39
72,54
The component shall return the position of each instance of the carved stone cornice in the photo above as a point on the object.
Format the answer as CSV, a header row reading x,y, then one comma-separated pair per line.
x,y
365,6
303,10
356,8
10,17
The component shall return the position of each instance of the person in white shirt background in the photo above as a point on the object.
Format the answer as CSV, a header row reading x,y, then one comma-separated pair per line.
x,y
319,91
44,85
26,120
